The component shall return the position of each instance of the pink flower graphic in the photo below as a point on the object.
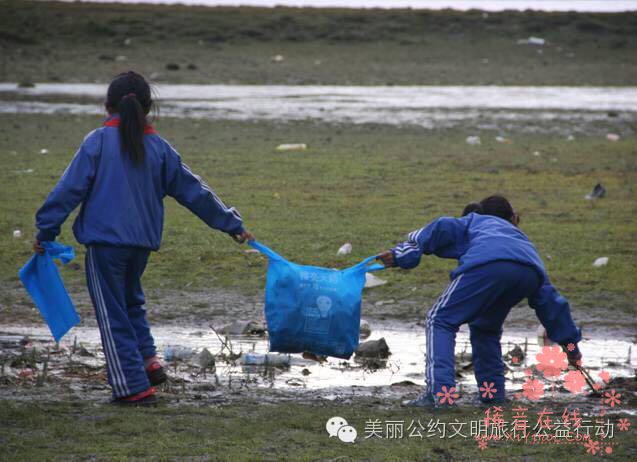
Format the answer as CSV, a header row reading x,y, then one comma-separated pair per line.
x,y
574,381
533,389
570,347
608,449
604,375
592,446
612,398
551,361
482,444
447,395
488,389
623,425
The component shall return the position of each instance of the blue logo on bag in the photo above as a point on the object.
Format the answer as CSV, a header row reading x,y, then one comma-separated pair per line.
x,y
308,308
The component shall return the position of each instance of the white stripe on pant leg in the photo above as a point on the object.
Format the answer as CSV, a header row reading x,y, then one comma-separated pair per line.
x,y
445,298
428,358
118,374
100,322
108,347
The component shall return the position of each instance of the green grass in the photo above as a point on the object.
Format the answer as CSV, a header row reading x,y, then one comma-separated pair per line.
x,y
48,41
368,185
251,431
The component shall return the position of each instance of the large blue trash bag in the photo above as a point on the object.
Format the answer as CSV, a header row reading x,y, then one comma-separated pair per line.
x,y
42,280
313,309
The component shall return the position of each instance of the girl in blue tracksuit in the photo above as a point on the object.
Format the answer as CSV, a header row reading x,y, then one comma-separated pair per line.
x,y
120,176
498,267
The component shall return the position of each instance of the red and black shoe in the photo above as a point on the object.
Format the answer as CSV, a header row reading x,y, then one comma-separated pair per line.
x,y
144,398
156,374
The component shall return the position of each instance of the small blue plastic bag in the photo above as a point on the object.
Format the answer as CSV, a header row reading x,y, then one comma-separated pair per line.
x,y
42,280
313,309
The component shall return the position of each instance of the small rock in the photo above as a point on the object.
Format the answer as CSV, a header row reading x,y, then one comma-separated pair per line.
x,y
373,281
345,249
277,58
601,261
127,41
243,328
373,349
192,67
536,153
84,352
365,329
597,193
172,67
570,138
473,140
305,371
17,234
515,356
612,137
44,151
502,139
206,359
120,58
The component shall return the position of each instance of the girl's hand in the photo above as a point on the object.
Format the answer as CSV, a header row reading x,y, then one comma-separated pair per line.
x,y
387,258
37,247
244,236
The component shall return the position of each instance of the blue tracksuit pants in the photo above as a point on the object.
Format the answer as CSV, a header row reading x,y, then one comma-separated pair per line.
x,y
114,282
481,297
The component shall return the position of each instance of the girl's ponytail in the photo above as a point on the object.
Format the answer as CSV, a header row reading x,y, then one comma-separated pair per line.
x,y
129,97
131,127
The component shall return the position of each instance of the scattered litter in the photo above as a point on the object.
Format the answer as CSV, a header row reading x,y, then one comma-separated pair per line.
x,y
385,302
292,147
178,353
243,328
601,261
597,193
172,67
120,58
502,139
612,137
373,281
473,140
17,233
251,251
373,349
127,41
365,330
536,153
267,359
277,58
44,151
570,138
28,170
532,41
205,359
345,249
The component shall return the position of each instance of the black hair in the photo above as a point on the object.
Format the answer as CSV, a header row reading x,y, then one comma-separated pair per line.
x,y
129,95
495,205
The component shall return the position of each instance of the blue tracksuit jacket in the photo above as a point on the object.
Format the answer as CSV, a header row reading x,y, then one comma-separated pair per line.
x,y
478,239
122,203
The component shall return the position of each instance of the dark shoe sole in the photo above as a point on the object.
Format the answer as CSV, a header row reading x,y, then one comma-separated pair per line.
x,y
157,377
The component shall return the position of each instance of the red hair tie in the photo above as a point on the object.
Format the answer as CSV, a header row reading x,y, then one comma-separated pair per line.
x,y
130,95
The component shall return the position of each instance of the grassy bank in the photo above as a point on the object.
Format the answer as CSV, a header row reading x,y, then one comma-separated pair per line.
x,y
46,41
368,185
255,432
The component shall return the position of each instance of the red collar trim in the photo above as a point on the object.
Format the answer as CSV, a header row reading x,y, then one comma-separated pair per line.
x,y
114,122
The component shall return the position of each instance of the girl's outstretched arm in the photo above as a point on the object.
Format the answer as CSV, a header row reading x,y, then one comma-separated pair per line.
x,y
70,190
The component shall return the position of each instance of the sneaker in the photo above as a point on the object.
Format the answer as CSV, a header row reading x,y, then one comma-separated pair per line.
x,y
424,400
156,374
144,398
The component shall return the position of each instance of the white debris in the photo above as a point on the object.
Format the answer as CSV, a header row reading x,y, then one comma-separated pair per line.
x,y
502,139
345,249
120,58
601,261
532,41
292,147
44,151
127,41
473,140
570,138
266,359
17,233
373,281
612,137
537,153
251,251
277,58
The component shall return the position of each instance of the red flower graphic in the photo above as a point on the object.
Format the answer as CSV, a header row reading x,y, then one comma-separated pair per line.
x,y
574,381
533,389
592,446
447,395
488,389
570,347
623,425
612,398
605,376
551,361
482,444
